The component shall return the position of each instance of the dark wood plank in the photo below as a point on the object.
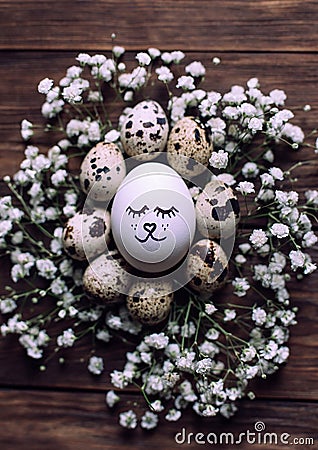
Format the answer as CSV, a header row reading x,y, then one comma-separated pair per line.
x,y
35,420
188,24
19,100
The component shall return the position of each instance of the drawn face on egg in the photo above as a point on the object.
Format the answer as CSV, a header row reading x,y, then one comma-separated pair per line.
x,y
153,218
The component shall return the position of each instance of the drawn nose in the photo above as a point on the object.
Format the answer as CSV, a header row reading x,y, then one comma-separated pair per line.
x,y
149,227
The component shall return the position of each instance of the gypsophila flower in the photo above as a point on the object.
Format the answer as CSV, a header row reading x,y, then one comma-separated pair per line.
x,y
128,419
250,170
279,230
66,339
230,314
118,50
195,69
245,187
186,83
143,58
297,259
45,85
164,74
111,398
173,415
241,286
210,308
157,341
276,173
258,238
96,365
219,160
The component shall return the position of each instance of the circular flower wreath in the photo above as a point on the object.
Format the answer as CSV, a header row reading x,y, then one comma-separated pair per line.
x,y
206,353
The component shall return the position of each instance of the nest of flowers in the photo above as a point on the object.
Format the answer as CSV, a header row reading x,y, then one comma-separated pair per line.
x,y
208,348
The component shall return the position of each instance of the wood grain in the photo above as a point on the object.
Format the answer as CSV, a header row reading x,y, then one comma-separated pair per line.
x,y
292,72
275,40
36,420
231,25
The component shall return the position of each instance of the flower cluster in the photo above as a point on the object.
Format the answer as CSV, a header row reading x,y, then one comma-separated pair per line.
x,y
206,353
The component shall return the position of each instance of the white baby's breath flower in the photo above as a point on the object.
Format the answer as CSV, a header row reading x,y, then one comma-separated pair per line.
x,y
128,419
112,136
219,160
297,259
177,56
279,230
245,187
258,238
278,96
276,173
173,415
154,52
195,69
210,308
45,85
186,83
164,74
216,60
241,286
118,51
111,398
143,58
96,365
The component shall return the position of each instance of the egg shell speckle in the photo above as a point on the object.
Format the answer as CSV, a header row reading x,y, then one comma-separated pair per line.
x,y
217,211
188,145
87,233
102,171
145,130
149,302
106,278
207,266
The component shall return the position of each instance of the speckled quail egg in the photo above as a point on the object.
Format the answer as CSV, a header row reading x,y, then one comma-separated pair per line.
x,y
86,234
102,171
150,301
206,266
145,130
187,146
106,278
217,211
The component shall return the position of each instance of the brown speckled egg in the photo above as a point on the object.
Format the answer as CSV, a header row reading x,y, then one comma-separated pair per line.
x,y
150,301
86,234
187,146
217,211
106,278
145,130
102,171
207,266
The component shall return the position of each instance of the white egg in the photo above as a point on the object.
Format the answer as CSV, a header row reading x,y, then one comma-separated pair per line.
x,y
153,218
102,171
145,130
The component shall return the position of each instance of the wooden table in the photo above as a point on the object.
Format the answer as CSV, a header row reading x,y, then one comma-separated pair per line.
x,y
63,408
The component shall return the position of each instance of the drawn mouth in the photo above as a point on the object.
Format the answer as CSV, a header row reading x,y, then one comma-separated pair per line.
x,y
150,235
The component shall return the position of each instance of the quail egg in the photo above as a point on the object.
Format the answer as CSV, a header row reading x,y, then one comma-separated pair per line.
x,y
145,130
102,171
217,211
87,233
187,146
106,278
150,301
207,266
